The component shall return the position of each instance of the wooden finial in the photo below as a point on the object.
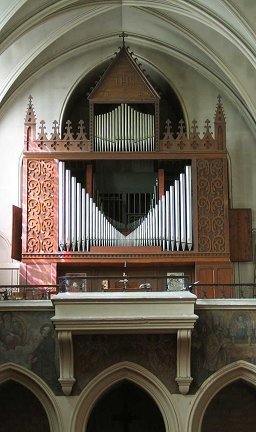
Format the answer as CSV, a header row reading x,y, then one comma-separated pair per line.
x,y
123,35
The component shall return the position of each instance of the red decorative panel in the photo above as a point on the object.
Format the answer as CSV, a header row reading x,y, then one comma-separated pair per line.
x,y
211,208
41,189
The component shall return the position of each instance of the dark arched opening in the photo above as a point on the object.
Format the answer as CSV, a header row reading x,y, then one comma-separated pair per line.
x,y
231,409
125,408
21,410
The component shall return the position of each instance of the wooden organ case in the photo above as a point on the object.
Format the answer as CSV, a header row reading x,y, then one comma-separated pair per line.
x,y
127,195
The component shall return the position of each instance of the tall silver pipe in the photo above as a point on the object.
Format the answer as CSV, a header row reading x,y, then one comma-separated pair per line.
x,y
122,127
91,221
93,225
61,205
189,206
87,225
157,224
150,227
108,125
160,223
129,143
163,223
172,217
104,139
168,220
138,134
177,213
68,209
79,215
119,128
112,135
83,217
73,213
153,226
101,132
126,148
153,132
96,226
182,212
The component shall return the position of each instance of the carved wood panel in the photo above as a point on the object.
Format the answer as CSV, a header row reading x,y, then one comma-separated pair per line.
x,y
41,206
211,206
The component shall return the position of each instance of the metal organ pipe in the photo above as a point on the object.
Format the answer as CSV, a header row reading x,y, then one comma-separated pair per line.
x,y
168,220
123,130
189,206
73,213
82,223
67,209
61,205
177,212
83,220
79,215
182,212
172,217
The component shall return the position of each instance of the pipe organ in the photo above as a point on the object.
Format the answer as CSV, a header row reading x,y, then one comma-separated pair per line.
x,y
78,216
82,224
124,129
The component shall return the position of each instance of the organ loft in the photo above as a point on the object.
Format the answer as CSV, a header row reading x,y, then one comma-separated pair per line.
x,y
131,188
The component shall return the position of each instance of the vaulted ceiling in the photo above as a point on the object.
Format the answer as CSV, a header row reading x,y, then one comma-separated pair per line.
x,y
215,37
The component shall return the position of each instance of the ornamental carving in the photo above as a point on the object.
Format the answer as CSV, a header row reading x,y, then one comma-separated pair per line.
x,y
74,138
210,192
40,211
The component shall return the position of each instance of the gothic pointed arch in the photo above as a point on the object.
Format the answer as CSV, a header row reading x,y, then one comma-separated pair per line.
x,y
135,374
13,372
240,370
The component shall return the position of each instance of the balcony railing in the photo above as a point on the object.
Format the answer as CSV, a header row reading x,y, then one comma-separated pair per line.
x,y
224,291
27,292
78,284
122,283
75,284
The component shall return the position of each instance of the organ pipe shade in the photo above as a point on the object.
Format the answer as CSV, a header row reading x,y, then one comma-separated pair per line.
x,y
82,224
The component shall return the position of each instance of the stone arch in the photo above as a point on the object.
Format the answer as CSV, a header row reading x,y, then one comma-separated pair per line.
x,y
240,370
137,375
14,372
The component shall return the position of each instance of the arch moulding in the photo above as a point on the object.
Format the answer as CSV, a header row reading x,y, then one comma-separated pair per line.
x,y
16,373
137,375
240,370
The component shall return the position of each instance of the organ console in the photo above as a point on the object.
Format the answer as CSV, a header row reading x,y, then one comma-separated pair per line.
x,y
129,193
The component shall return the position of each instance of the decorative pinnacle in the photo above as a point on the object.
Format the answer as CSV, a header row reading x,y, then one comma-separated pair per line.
x,y
30,114
30,100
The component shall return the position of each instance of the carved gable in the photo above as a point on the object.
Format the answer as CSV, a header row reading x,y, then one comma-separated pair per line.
x,y
123,81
